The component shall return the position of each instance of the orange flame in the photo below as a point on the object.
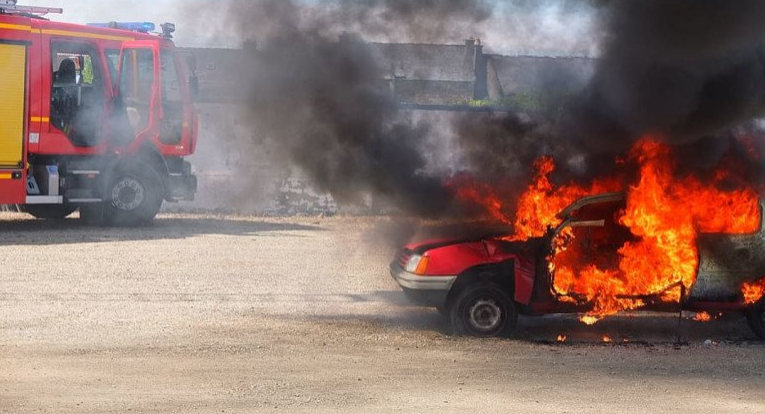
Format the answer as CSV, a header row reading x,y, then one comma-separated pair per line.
x,y
702,317
562,338
539,206
664,214
753,292
480,194
607,339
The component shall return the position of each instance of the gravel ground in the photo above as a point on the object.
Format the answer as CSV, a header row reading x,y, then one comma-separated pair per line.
x,y
207,314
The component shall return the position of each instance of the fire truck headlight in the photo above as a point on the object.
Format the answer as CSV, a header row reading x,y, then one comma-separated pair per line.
x,y
417,264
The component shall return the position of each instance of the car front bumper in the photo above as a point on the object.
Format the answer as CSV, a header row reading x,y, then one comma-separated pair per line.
x,y
423,290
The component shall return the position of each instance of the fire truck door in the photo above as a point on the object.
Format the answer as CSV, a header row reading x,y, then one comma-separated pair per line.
x,y
139,90
13,72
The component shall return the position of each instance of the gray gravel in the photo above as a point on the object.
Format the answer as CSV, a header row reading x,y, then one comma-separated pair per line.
x,y
207,314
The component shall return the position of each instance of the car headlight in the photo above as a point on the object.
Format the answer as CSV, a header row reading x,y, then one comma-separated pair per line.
x,y
417,264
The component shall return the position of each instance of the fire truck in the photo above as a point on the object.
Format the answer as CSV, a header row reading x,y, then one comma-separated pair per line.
x,y
94,117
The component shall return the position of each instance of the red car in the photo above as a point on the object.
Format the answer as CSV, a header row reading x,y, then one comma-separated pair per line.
x,y
483,284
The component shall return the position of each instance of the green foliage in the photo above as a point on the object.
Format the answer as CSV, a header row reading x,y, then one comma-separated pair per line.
x,y
539,103
87,71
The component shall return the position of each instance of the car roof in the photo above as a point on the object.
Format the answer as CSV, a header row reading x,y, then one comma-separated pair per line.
x,y
590,200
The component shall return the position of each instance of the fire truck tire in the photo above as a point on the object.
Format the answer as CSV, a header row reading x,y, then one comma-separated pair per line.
x,y
51,212
133,197
483,310
756,317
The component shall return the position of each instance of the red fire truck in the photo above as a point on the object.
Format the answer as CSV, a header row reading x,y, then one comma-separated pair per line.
x,y
93,117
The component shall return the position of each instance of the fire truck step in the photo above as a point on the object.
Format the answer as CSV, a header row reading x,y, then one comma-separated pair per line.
x,y
84,200
45,200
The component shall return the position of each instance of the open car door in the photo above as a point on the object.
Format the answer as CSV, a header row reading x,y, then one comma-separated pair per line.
x,y
138,108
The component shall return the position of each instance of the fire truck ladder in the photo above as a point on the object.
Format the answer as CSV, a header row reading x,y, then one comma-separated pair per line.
x,y
10,7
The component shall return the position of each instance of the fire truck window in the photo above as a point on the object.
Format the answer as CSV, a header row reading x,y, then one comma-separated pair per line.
x,y
171,86
77,96
113,61
136,83
172,101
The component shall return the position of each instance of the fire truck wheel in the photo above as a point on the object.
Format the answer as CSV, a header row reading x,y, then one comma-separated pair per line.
x,y
134,196
756,317
483,310
51,212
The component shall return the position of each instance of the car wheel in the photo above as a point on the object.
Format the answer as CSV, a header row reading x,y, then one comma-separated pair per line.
x,y
51,212
134,196
756,317
484,310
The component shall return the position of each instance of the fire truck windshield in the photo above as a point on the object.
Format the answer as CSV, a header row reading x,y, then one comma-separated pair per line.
x,y
171,81
172,99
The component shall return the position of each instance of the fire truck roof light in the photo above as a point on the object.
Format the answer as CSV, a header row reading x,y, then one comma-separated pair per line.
x,y
143,27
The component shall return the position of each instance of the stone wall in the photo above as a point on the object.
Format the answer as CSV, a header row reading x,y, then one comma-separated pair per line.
x,y
236,169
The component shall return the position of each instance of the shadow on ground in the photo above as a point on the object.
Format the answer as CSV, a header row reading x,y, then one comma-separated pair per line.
x,y
73,231
630,328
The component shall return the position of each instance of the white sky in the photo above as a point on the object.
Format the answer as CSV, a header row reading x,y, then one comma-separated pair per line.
x,y
156,11
547,32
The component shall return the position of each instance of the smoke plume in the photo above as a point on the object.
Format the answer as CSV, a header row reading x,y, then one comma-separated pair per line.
x,y
681,70
684,71
320,98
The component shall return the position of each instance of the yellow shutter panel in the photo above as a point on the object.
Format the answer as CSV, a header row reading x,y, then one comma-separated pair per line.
x,y
13,60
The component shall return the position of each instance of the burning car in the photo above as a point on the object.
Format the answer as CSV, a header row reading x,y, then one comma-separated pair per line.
x,y
482,284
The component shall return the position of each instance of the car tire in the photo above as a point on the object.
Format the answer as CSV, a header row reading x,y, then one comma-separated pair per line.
x,y
483,310
133,197
756,317
51,212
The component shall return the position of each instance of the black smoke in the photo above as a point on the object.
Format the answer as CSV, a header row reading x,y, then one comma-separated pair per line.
x,y
680,70
321,100
684,71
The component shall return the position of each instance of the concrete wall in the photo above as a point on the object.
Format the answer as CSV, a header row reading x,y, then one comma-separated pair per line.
x,y
236,169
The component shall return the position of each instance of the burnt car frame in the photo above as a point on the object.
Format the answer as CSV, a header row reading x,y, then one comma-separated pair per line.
x,y
482,284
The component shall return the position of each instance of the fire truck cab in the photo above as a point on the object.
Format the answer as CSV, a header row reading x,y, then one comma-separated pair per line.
x,y
97,118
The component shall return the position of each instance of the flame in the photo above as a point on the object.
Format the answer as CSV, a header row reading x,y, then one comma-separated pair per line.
x,y
702,317
662,260
607,339
753,292
540,205
479,194
562,338
663,216
589,320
